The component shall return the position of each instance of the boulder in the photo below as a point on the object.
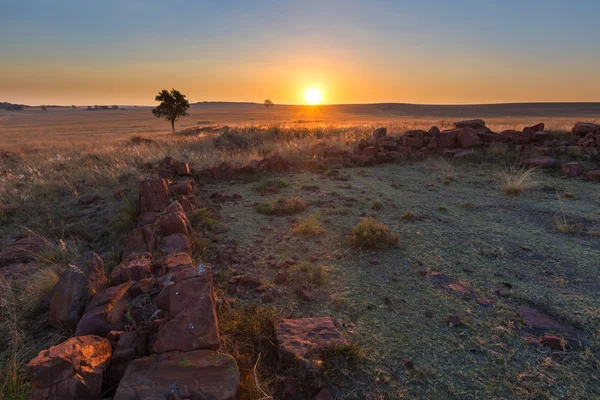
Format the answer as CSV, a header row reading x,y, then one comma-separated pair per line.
x,y
537,320
471,123
183,169
434,131
18,271
302,339
275,163
167,168
468,138
140,240
583,128
183,188
133,269
171,264
370,151
199,374
414,142
511,133
572,169
174,243
106,311
362,144
75,286
148,218
174,222
192,319
448,139
380,132
153,195
23,250
70,370
130,346
492,137
362,160
540,162
530,131
593,176
540,136
335,151
388,143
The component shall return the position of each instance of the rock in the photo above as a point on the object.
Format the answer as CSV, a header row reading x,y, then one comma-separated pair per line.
x,y
275,163
183,169
362,160
268,296
465,155
388,143
529,131
540,162
182,188
453,320
199,374
554,342
106,311
380,132
369,151
593,176
70,370
249,280
538,320
281,278
75,286
413,142
408,363
362,144
492,137
18,271
448,139
306,294
86,200
572,169
23,250
540,136
174,222
167,168
140,240
468,138
511,133
471,123
134,269
434,131
171,264
335,152
153,195
148,218
303,339
192,319
583,128
130,346
174,243
324,395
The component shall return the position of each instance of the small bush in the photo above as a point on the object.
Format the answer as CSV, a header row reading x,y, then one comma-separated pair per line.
x,y
283,206
310,274
202,219
469,205
515,180
309,226
408,215
338,360
376,205
371,234
270,186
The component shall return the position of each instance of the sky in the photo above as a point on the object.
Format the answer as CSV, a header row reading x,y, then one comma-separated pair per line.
x,y
354,51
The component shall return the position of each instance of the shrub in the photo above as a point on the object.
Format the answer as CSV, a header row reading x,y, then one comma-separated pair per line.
x,y
515,179
376,205
309,226
371,234
408,215
283,206
311,274
270,186
202,219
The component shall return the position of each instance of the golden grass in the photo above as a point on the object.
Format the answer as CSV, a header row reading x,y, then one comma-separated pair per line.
x,y
514,180
372,234
309,226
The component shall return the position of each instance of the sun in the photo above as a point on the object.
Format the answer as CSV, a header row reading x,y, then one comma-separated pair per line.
x,y
313,96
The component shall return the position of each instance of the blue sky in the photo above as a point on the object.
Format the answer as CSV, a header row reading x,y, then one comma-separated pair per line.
x,y
434,51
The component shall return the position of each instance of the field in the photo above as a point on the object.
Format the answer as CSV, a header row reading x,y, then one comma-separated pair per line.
x,y
465,248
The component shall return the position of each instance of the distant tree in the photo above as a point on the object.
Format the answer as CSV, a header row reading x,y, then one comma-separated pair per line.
x,y
44,108
90,108
73,107
115,107
172,106
268,103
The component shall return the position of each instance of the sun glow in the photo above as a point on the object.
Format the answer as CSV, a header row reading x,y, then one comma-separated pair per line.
x,y
313,96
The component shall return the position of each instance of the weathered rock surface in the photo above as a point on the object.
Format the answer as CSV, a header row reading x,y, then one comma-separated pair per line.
x,y
70,370
174,222
133,269
199,374
174,243
192,319
182,188
23,250
76,285
153,195
106,311
171,264
130,346
572,169
139,241
538,320
593,176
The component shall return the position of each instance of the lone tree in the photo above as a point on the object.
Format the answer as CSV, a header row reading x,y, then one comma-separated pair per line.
x,y
268,103
172,106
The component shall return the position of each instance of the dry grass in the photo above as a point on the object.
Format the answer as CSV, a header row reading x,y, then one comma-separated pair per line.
x,y
372,234
514,180
283,206
309,226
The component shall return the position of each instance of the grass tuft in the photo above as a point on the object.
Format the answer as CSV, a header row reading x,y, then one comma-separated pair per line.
x,y
515,180
372,234
311,274
309,226
283,206
270,186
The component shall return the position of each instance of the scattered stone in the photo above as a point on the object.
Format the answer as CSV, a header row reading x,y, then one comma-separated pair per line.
x,y
303,339
593,176
583,128
183,169
380,132
502,293
171,264
324,395
370,151
484,302
572,169
453,320
268,297
554,342
247,280
306,294
281,278
174,222
408,363
75,286
530,131
525,248
199,374
538,320
313,259
70,370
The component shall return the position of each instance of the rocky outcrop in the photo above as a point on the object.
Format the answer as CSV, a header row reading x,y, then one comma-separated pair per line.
x,y
153,195
135,268
23,250
70,370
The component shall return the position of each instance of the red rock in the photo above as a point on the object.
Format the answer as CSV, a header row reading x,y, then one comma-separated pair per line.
x,y
335,151
433,143
174,243
414,142
268,297
174,222
458,288
18,271
362,160
408,363
491,137
199,374
281,278
380,132
22,251
106,311
306,294
388,143
471,123
70,370
181,188
275,163
183,169
75,286
362,144
511,133
593,176
303,339
369,151
171,264
529,131
448,139
540,162
434,131
192,319
572,169
583,128
134,269
467,138
130,346
502,293
140,240
538,320
324,395
148,218
541,136
153,195
554,342
484,302
167,168
453,320
249,280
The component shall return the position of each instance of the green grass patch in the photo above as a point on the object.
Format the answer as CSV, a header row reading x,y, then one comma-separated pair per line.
x,y
270,186
372,234
309,226
282,206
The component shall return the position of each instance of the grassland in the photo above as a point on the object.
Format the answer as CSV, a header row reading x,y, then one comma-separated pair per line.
x,y
454,222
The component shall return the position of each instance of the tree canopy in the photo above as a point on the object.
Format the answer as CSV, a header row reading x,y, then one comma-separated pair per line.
x,y
172,106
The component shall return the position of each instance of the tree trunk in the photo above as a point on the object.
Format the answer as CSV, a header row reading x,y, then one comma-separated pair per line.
x,y
173,125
